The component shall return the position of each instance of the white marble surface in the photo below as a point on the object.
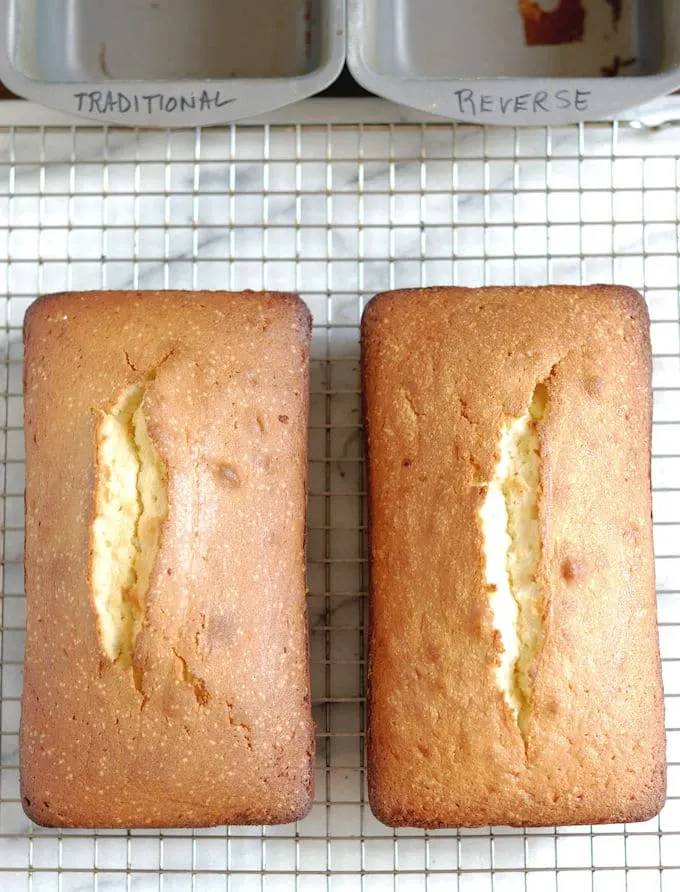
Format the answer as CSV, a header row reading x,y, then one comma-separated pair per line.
x,y
338,214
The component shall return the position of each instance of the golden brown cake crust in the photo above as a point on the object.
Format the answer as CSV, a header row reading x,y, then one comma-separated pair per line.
x,y
443,368
221,730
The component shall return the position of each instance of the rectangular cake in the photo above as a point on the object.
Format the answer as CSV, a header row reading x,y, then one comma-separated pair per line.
x,y
166,673
514,671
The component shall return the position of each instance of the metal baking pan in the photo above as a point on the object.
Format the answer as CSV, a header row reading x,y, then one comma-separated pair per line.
x,y
516,61
189,62
170,62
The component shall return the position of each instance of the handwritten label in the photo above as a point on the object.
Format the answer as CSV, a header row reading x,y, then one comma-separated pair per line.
x,y
477,105
106,102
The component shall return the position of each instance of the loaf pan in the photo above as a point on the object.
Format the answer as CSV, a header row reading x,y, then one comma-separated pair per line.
x,y
170,62
516,61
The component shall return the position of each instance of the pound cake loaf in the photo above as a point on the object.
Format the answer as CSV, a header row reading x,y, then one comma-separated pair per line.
x,y
514,671
166,671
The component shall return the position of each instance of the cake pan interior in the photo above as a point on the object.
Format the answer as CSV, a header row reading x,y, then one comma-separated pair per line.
x,y
77,41
516,38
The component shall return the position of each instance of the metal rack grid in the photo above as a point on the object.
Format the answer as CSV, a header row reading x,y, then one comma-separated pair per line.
x,y
338,213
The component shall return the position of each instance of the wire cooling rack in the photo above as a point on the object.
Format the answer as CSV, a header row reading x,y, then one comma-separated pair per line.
x,y
338,213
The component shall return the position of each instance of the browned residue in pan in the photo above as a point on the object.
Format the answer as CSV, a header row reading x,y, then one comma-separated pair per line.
x,y
103,63
617,11
617,65
565,24
309,25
